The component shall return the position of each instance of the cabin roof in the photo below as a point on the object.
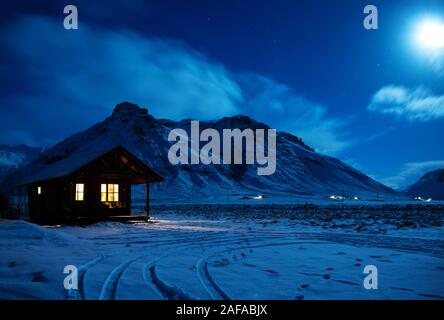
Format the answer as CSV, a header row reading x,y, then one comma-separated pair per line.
x,y
81,158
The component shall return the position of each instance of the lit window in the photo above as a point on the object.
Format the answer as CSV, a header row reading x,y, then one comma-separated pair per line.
x,y
80,191
113,192
39,190
109,192
103,192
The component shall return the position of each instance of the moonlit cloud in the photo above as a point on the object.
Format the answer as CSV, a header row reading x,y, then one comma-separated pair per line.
x,y
65,75
101,67
410,173
412,104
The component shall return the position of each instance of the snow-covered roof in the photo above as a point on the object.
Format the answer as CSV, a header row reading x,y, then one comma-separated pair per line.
x,y
77,160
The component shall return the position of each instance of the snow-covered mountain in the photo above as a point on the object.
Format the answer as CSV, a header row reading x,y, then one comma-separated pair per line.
x,y
431,185
12,157
300,171
16,155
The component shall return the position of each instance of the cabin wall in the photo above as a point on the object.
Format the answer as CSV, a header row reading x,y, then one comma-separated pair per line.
x,y
46,206
92,206
57,201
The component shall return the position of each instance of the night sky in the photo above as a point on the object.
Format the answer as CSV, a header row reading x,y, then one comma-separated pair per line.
x,y
373,98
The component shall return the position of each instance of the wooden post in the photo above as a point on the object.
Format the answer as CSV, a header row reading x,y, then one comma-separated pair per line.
x,y
147,199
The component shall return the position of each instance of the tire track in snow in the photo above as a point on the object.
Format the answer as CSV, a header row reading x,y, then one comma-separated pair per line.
x,y
215,292
110,285
82,270
207,280
109,288
167,291
202,271
171,292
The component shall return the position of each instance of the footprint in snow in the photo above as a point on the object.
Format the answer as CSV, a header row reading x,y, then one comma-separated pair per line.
x,y
347,282
358,259
305,285
275,273
329,269
220,263
12,264
357,264
384,260
401,289
249,265
341,253
38,277
326,276
434,296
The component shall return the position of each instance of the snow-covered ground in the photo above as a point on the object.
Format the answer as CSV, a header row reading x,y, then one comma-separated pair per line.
x,y
237,256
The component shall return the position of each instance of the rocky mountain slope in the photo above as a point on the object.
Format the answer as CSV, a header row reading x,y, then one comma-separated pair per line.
x,y
300,172
12,157
431,185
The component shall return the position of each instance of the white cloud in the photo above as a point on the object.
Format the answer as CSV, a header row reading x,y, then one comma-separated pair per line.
x,y
411,172
413,104
92,69
102,67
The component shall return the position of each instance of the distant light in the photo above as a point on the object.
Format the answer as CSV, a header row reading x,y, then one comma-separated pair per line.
x,y
334,197
355,198
430,33
259,197
422,199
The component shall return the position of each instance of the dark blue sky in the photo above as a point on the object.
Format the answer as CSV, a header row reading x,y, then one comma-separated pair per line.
x,y
373,98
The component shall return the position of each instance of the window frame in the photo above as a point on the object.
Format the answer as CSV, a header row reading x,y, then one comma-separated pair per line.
x,y
109,192
79,192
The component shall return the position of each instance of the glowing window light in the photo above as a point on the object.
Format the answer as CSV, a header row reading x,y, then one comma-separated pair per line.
x,y
109,192
80,191
39,190
103,192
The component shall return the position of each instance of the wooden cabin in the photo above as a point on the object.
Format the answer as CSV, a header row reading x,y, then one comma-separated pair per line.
x,y
88,186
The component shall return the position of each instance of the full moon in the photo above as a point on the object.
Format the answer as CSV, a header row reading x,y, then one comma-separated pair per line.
x,y
430,34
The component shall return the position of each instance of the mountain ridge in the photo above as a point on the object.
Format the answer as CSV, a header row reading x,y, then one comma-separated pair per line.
x,y
430,185
300,171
